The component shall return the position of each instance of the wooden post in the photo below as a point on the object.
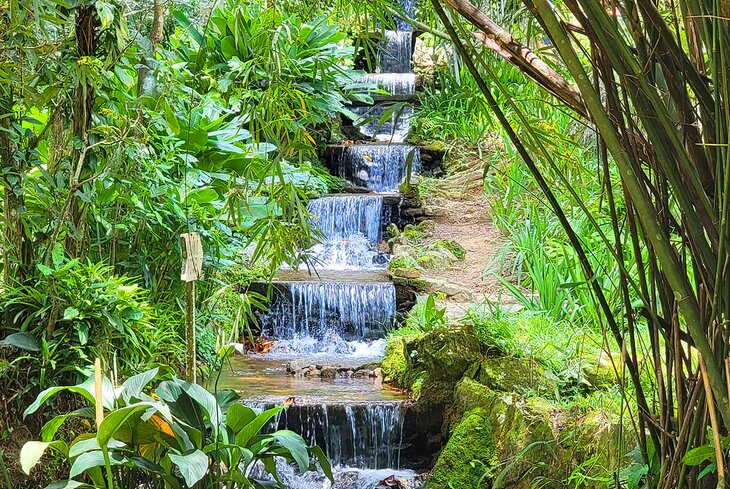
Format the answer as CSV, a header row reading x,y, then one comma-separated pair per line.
x,y
98,393
192,270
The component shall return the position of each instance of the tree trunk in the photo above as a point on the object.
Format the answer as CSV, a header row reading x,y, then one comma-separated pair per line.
x,y
83,103
157,34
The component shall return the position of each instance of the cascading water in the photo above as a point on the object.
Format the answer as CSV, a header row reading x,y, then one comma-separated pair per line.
x,y
340,217
395,52
360,435
315,321
393,83
379,167
351,228
328,317
385,122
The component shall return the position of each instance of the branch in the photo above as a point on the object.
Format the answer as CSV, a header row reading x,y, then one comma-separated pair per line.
x,y
506,46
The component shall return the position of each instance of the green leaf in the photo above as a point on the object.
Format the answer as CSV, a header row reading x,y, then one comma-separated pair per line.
x,y
69,484
90,444
52,391
711,468
21,340
70,313
203,195
252,429
698,455
133,386
323,461
193,466
89,460
32,452
57,255
239,416
116,419
295,445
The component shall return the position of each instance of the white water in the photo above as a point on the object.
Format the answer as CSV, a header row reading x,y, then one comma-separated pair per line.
x,y
393,83
395,52
325,316
379,167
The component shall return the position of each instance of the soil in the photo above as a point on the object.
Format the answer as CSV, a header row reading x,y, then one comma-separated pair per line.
x,y
460,211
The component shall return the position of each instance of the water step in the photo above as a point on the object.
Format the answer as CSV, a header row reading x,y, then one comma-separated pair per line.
x,y
364,435
387,165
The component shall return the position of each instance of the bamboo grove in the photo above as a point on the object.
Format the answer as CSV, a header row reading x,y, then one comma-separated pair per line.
x,y
654,80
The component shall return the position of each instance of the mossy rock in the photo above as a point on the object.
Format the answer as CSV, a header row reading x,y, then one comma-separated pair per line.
x,y
394,365
600,371
522,430
468,459
416,284
412,232
521,375
403,272
445,353
458,251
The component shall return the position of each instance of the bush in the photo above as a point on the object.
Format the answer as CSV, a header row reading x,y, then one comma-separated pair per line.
x,y
77,311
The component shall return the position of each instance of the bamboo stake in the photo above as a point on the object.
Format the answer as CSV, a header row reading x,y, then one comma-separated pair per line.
x,y
98,393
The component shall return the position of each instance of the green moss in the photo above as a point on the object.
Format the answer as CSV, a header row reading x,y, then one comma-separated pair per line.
x,y
452,246
444,352
509,374
412,232
394,365
468,459
403,261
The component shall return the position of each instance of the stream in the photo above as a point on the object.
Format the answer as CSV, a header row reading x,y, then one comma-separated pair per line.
x,y
329,327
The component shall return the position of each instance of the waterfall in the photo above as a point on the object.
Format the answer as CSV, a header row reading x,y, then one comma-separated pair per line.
x,y
359,435
341,217
316,317
409,8
379,167
385,122
393,83
395,52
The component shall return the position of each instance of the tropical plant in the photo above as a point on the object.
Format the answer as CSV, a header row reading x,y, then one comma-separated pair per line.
x,y
160,431
654,84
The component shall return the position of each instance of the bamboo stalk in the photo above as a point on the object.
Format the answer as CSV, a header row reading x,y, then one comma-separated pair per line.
x,y
715,429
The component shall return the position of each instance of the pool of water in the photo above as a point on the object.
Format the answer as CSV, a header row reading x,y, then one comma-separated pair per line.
x,y
264,378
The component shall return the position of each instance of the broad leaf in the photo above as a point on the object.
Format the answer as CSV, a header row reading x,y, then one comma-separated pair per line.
x,y
193,466
32,452
22,341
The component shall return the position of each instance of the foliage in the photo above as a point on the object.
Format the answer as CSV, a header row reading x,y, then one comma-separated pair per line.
x,y
426,315
77,311
180,435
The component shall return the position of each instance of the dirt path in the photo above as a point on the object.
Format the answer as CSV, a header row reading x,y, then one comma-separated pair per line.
x,y
460,211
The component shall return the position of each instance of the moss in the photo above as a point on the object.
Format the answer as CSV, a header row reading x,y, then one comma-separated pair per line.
x,y
403,261
468,459
452,246
509,374
394,365
412,232
445,352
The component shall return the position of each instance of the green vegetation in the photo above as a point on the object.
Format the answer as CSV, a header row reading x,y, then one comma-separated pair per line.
x,y
602,136
173,434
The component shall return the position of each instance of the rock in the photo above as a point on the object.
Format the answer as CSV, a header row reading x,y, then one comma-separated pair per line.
x,y
394,365
435,285
599,371
455,248
406,273
512,374
468,455
328,373
445,353
312,372
378,373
